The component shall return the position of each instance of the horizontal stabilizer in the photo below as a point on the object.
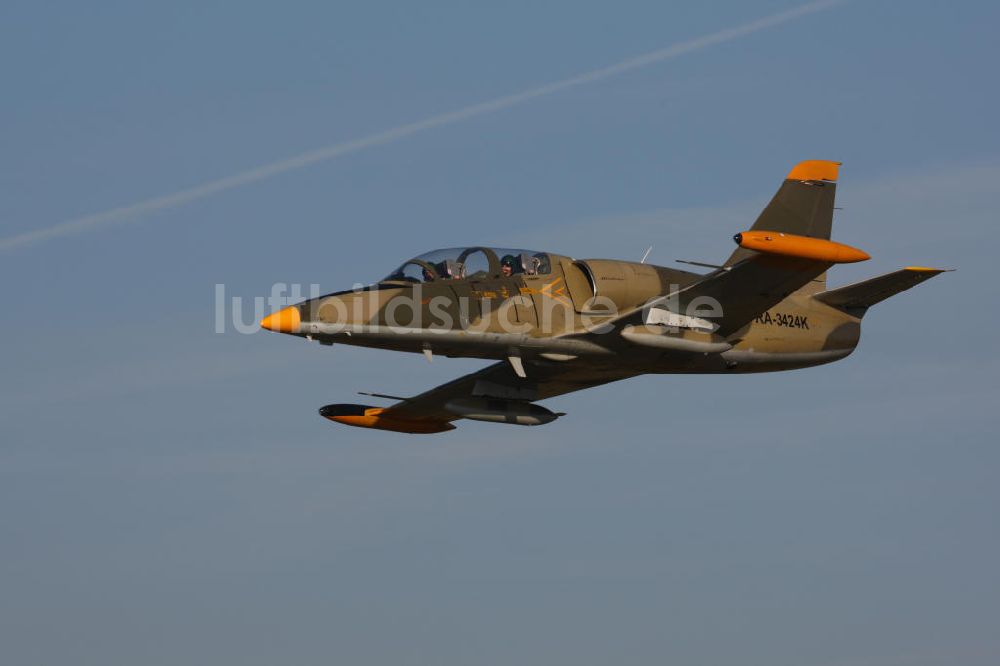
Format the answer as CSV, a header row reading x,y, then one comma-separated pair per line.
x,y
857,298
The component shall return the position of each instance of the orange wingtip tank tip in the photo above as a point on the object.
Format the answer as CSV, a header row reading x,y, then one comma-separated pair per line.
x,y
814,170
283,321
363,416
802,247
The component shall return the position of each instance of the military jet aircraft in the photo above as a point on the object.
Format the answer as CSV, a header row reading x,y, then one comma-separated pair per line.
x,y
555,324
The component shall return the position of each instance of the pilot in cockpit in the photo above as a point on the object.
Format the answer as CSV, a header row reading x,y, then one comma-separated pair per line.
x,y
508,265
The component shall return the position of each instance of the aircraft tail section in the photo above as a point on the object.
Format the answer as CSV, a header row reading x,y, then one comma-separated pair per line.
x,y
855,299
802,206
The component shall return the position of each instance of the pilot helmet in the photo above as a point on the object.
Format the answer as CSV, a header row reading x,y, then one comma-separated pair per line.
x,y
509,260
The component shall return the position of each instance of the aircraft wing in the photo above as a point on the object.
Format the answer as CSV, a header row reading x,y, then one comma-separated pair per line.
x,y
544,380
429,411
732,296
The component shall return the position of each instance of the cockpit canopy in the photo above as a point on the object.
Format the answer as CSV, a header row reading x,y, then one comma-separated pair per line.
x,y
475,263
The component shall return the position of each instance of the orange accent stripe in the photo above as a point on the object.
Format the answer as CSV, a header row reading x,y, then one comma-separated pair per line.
x,y
814,170
558,294
803,247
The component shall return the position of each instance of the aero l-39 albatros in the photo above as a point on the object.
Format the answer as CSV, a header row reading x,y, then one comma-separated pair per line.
x,y
556,324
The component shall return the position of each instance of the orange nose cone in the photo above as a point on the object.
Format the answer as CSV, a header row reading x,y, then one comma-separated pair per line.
x,y
283,321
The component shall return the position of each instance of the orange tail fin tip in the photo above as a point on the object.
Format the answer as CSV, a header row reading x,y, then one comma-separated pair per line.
x,y
815,170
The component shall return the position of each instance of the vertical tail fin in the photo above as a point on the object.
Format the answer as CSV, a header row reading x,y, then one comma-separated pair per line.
x,y
803,205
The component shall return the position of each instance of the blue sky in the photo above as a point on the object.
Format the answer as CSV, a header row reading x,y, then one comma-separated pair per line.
x,y
169,495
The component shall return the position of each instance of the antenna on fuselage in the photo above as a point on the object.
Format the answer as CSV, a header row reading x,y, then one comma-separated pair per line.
x,y
646,255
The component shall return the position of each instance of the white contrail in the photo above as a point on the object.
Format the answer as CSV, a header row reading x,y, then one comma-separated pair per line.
x,y
127,213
